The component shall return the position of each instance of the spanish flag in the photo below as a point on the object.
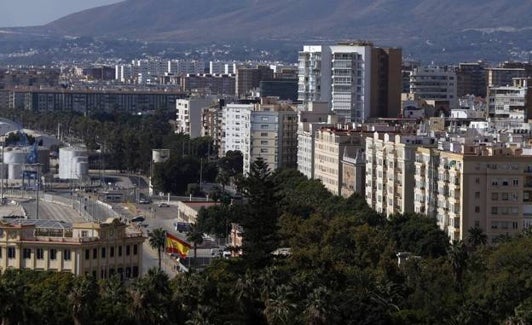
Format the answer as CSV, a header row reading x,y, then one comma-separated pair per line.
x,y
176,245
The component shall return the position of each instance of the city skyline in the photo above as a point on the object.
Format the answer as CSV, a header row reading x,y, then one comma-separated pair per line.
x,y
34,13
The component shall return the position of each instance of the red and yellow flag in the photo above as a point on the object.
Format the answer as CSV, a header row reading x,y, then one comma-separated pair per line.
x,y
176,245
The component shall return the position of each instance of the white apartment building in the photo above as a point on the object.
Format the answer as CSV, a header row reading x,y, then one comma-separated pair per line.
x,y
390,168
177,67
509,107
434,83
339,74
189,115
261,130
220,67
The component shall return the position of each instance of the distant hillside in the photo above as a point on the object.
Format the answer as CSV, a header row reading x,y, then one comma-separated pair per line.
x,y
439,30
212,20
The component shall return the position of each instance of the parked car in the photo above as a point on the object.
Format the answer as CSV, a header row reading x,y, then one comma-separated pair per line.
x,y
163,205
138,219
144,201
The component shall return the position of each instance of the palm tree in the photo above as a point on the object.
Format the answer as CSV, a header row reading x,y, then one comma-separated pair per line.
x,y
82,298
457,254
195,236
157,240
279,309
476,237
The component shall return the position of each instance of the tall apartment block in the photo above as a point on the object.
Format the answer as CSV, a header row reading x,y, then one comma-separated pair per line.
x,y
330,147
248,79
267,130
390,167
481,185
435,84
506,72
357,79
471,79
309,122
189,113
510,107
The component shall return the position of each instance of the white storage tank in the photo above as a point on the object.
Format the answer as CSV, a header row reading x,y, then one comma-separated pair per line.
x,y
70,163
16,155
14,171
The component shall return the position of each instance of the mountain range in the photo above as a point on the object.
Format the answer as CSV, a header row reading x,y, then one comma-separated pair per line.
x,y
440,25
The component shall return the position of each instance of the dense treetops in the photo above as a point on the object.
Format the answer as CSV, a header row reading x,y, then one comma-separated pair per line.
x,y
342,269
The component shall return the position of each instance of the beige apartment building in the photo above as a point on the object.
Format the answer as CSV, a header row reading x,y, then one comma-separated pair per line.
x,y
329,147
390,171
88,248
485,186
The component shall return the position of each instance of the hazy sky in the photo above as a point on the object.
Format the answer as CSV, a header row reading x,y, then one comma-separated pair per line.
x,y
39,12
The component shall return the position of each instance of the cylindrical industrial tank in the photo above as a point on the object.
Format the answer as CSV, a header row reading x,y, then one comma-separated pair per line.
x,y
68,168
14,171
82,166
15,155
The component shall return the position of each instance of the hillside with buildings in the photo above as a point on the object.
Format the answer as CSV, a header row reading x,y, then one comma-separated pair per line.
x,y
436,29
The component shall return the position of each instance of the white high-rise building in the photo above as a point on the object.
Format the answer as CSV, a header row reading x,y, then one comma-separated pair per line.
x,y
267,130
509,106
188,115
339,74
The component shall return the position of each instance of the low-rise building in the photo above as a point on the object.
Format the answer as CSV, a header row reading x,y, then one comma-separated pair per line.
x,y
88,248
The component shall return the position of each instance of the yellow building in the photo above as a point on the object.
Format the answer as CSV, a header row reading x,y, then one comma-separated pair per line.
x,y
489,187
89,248
329,147
390,171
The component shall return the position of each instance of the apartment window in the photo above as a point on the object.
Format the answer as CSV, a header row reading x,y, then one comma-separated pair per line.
x,y
477,209
494,225
53,254
127,250
504,210
477,224
135,249
494,210
87,254
11,252
515,182
264,134
95,253
66,255
495,196
103,252
119,250
112,252
504,196
264,150
40,253
477,195
264,119
26,253
264,142
264,126
515,225
477,180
